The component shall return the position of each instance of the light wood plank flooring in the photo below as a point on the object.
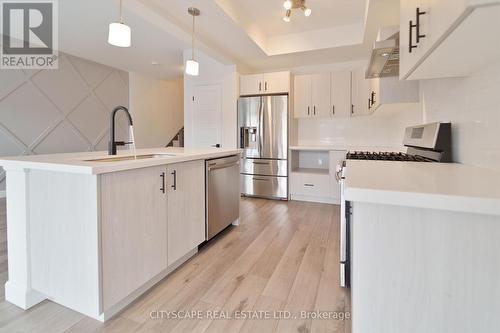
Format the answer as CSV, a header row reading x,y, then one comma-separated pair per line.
x,y
282,257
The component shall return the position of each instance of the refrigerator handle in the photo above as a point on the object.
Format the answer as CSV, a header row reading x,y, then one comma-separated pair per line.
x,y
261,125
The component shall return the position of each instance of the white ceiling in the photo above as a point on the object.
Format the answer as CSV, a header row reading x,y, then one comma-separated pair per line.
x,y
250,34
325,14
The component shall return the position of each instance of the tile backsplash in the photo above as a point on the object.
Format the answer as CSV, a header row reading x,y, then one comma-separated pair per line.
x,y
384,128
472,105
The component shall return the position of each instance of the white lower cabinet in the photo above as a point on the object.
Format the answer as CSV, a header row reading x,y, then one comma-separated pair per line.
x,y
186,208
150,218
312,176
310,185
133,231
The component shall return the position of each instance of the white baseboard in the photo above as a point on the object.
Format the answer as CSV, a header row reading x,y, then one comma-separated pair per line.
x,y
3,194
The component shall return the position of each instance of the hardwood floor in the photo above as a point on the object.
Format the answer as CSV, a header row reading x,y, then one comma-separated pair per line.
x,y
282,257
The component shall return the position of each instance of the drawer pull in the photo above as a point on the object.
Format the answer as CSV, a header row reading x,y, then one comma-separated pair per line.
x,y
310,185
261,163
261,179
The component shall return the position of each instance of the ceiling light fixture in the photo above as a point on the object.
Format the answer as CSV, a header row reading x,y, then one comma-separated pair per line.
x,y
286,18
192,66
119,33
295,4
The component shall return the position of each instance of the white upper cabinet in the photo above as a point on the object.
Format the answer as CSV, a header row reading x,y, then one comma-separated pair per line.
x,y
268,83
314,95
361,93
447,38
320,95
302,96
340,95
251,84
277,82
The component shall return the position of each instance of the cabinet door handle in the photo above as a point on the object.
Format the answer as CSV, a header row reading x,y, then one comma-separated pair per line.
x,y
314,110
175,180
410,38
162,176
352,108
369,103
309,185
333,109
417,25
260,86
265,86
373,97
308,110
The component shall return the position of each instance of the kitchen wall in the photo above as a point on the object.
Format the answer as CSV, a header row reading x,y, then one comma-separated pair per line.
x,y
471,104
212,72
59,110
157,109
383,129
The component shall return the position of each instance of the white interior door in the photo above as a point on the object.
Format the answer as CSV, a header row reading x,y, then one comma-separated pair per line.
x,y
207,116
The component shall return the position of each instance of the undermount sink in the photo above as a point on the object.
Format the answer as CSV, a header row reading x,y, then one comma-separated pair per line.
x,y
129,158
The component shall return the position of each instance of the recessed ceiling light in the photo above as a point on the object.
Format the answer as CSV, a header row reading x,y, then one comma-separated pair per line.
x,y
287,4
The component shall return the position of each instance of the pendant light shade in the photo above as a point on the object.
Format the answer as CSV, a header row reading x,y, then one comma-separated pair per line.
x,y
192,66
120,34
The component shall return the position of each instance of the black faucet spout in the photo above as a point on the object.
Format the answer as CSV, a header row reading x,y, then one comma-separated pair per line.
x,y
112,143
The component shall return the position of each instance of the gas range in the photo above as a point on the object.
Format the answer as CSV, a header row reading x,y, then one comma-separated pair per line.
x,y
386,156
424,143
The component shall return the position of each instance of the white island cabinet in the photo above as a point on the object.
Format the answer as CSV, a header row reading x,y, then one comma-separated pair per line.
x,y
94,235
424,252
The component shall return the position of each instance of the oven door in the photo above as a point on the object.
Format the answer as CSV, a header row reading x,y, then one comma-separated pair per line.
x,y
345,209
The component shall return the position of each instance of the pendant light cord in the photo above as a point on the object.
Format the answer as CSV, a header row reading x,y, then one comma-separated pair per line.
x,y
121,12
192,42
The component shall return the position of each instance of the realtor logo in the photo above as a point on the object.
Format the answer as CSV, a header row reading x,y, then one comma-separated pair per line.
x,y
29,34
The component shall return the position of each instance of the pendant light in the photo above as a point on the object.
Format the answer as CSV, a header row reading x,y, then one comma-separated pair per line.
x,y
192,66
290,5
119,33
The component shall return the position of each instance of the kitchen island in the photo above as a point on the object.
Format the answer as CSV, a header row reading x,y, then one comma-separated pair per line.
x,y
93,232
424,247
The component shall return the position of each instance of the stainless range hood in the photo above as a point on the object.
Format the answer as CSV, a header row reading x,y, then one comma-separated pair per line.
x,y
384,60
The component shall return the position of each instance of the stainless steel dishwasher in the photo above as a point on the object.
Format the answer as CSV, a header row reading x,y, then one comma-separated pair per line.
x,y
222,193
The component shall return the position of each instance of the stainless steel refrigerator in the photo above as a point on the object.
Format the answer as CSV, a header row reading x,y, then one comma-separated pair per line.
x,y
263,136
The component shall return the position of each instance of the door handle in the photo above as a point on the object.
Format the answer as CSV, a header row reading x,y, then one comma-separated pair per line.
x,y
352,108
265,86
308,110
369,103
373,97
175,180
260,86
333,109
417,25
410,39
162,176
217,145
314,110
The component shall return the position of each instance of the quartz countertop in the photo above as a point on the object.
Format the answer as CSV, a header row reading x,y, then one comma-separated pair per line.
x,y
82,162
445,186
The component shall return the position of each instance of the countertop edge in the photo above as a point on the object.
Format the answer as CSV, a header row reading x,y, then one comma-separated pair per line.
x,y
107,167
476,205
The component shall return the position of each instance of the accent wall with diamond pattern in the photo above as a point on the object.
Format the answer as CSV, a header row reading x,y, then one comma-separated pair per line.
x,y
59,110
